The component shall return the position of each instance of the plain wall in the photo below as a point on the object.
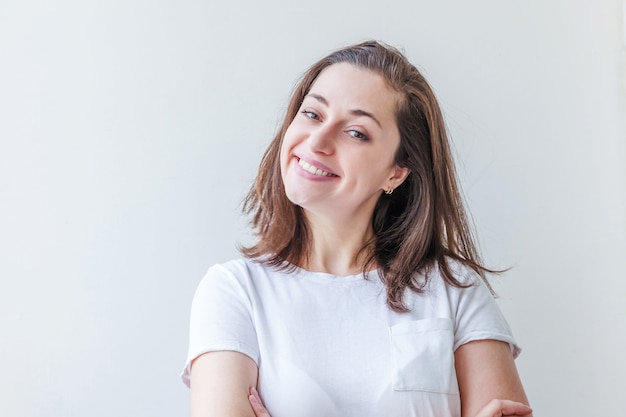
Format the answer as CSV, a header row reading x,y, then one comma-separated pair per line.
x,y
131,130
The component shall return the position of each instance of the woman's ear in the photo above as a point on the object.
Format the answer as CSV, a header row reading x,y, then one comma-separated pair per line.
x,y
399,175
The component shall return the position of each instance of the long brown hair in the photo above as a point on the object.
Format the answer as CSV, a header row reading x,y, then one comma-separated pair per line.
x,y
422,225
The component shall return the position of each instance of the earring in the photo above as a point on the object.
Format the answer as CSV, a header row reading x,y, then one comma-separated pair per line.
x,y
389,190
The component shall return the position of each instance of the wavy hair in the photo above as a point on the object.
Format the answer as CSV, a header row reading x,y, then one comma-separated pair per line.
x,y
422,226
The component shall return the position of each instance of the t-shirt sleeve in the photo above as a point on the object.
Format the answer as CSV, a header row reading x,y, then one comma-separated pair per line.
x,y
478,317
221,317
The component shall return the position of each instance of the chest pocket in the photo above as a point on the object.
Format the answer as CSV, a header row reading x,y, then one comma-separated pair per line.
x,y
423,356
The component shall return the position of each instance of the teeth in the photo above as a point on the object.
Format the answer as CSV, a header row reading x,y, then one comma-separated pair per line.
x,y
315,171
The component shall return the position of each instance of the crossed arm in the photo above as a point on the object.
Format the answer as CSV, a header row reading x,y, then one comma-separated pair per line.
x,y
487,375
220,384
489,384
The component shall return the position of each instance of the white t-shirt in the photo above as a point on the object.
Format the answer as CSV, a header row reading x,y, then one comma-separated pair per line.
x,y
329,346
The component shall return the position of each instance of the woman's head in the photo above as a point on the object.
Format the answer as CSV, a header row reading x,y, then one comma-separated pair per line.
x,y
338,153
420,225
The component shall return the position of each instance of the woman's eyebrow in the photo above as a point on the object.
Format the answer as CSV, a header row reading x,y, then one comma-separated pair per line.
x,y
356,112
318,98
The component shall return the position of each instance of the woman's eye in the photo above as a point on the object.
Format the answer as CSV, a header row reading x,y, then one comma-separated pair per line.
x,y
310,114
358,135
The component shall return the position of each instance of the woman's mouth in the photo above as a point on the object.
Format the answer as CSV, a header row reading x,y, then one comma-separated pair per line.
x,y
314,170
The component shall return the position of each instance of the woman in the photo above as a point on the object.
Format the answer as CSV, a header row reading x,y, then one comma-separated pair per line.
x,y
364,294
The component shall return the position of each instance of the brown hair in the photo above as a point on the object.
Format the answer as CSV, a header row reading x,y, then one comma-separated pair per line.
x,y
421,226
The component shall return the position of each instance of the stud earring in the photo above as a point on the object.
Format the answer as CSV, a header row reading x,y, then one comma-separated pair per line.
x,y
389,190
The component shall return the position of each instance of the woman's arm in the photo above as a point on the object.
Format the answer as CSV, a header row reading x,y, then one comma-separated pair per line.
x,y
485,370
495,408
220,383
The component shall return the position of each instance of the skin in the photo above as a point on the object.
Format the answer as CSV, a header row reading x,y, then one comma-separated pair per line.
x,y
220,383
346,127
485,371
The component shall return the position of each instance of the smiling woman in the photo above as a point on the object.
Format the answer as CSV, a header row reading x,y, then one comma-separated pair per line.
x,y
364,294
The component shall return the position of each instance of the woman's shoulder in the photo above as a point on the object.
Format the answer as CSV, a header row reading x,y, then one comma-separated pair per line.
x,y
236,276
239,267
471,287
435,276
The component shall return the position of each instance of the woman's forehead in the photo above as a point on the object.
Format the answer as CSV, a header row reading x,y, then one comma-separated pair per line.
x,y
344,83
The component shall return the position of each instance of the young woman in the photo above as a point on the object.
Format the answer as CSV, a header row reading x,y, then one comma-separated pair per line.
x,y
364,294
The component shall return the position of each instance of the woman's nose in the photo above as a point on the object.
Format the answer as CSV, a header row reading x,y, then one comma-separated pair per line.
x,y
322,140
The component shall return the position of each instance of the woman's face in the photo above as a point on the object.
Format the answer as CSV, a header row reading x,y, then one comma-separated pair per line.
x,y
337,155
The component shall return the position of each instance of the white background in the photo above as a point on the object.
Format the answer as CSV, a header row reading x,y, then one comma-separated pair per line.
x,y
130,131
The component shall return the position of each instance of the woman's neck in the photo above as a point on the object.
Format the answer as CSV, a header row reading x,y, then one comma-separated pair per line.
x,y
337,245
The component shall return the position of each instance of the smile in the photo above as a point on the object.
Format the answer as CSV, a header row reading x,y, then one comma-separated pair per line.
x,y
313,170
